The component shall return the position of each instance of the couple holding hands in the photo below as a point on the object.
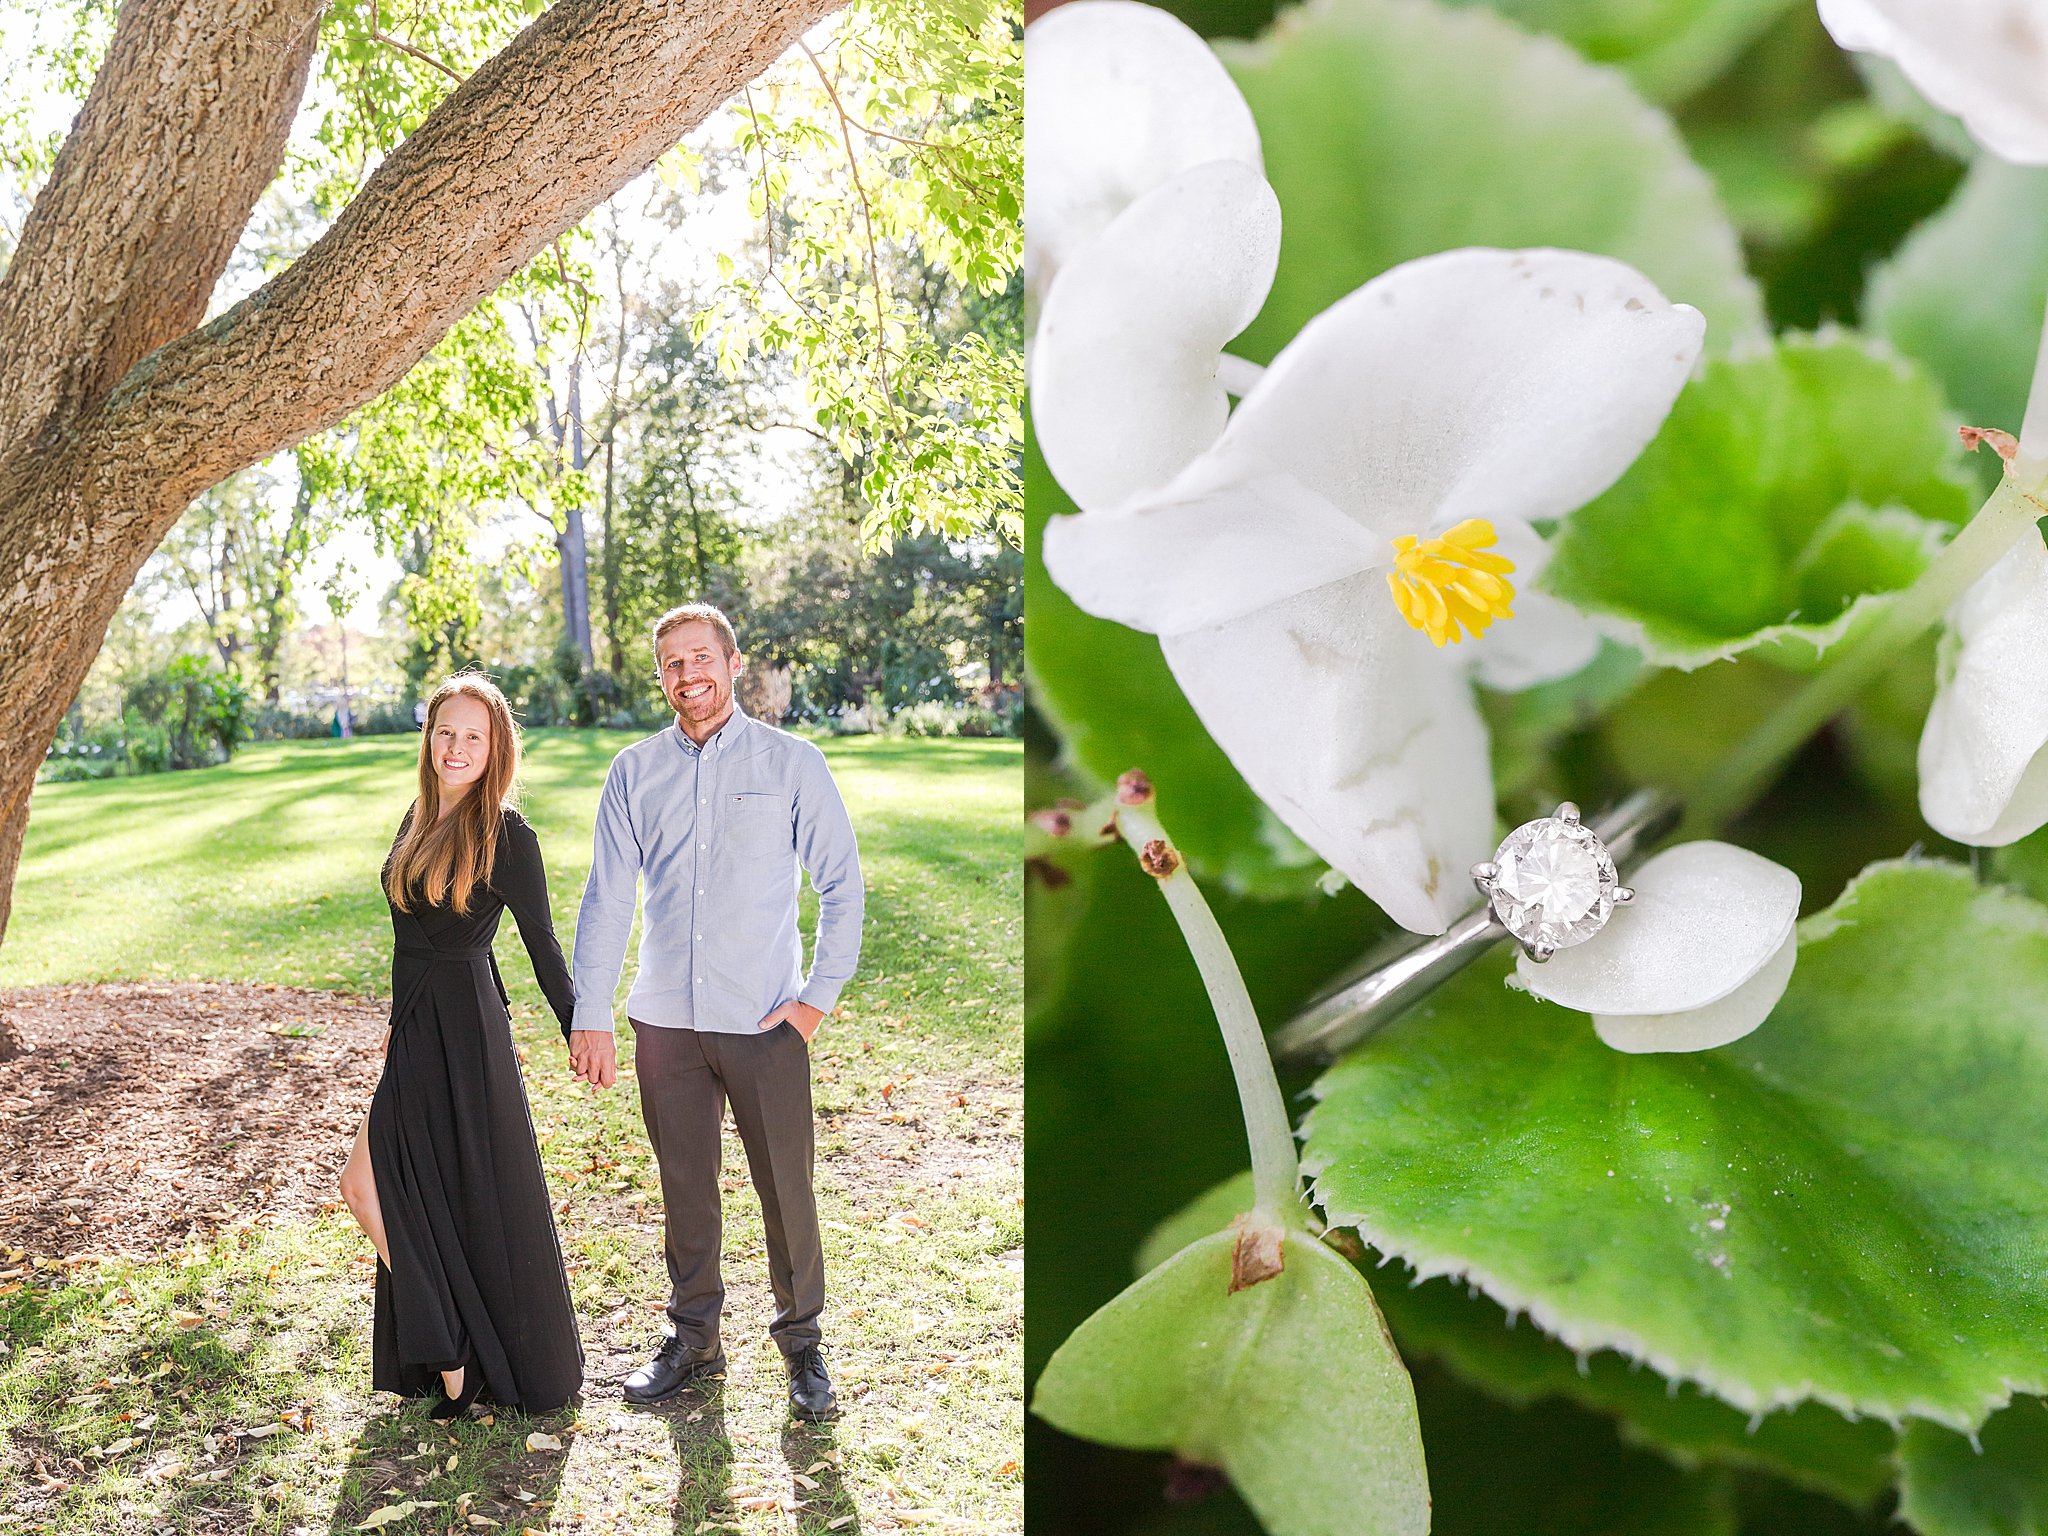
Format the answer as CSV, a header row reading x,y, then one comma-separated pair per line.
x,y
714,814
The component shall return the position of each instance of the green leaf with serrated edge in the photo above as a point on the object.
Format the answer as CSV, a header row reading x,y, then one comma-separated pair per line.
x,y
1731,530
1963,296
1848,1205
1291,1386
1811,1445
1398,128
1997,1487
1108,691
1669,48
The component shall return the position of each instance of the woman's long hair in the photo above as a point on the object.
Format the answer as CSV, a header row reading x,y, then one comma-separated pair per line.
x,y
447,857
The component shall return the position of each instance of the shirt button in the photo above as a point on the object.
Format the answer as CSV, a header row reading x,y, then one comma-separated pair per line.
x,y
700,890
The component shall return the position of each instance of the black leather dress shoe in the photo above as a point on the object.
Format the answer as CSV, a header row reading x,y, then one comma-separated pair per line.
x,y
674,1366
810,1389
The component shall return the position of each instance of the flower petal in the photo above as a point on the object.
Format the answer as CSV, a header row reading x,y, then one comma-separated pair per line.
x,y
1984,752
1362,738
1123,377
1707,917
1546,639
1984,61
1475,383
1212,553
1123,98
1701,1029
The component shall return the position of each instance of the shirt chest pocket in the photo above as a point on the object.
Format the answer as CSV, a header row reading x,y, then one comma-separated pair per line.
x,y
757,821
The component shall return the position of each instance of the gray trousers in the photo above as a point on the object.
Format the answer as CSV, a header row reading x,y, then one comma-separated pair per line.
x,y
686,1079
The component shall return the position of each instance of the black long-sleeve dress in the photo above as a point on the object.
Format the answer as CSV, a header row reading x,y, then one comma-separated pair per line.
x,y
476,1267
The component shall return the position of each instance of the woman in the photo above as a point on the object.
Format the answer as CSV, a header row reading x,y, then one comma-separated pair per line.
x,y
445,1177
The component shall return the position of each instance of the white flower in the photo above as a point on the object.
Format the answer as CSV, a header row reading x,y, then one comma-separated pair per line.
x,y
1354,499
1699,958
1986,61
1984,752
1150,240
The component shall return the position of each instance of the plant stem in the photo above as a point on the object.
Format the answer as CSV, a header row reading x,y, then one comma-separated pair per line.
x,y
1276,1174
1238,375
1738,779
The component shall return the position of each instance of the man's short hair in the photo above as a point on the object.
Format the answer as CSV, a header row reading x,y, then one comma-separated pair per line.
x,y
696,613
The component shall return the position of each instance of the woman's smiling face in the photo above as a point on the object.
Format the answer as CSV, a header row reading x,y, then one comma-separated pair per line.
x,y
462,742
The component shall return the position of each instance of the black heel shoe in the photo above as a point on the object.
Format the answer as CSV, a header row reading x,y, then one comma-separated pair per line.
x,y
456,1407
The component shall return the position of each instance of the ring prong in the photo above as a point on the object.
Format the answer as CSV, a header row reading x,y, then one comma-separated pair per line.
x,y
1568,812
1623,895
1539,952
1484,875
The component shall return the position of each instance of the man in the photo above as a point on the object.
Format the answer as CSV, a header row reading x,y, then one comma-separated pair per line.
x,y
715,814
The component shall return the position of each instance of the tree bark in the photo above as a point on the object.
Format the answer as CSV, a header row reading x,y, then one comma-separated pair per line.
x,y
115,412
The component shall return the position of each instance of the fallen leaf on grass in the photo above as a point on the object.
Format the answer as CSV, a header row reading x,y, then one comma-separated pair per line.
x,y
261,1431
540,1442
391,1512
450,1467
187,1319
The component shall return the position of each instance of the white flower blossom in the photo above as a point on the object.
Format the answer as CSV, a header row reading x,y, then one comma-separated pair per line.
x,y
1700,957
1985,61
1151,238
1309,571
1984,752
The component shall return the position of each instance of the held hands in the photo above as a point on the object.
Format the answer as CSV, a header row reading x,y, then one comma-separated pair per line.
x,y
593,1056
801,1017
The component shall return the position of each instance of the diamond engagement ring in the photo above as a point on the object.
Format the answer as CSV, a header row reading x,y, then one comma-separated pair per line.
x,y
1553,882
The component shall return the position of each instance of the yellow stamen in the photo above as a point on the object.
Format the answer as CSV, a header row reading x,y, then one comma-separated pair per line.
x,y
1442,583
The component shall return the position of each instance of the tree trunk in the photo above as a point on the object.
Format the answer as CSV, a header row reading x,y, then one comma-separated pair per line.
x,y
570,542
115,412
271,611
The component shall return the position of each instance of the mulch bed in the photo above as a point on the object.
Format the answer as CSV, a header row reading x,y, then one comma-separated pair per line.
x,y
146,1112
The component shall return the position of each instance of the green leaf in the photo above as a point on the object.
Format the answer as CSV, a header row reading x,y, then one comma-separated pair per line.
x,y
1997,1487
1291,1386
1470,1335
1109,692
1398,128
1964,295
1749,519
1669,48
1849,1205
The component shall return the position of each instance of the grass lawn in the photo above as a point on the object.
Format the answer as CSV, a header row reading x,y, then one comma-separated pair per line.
x,y
225,1387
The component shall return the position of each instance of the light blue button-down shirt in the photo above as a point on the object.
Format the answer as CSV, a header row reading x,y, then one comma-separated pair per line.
x,y
718,833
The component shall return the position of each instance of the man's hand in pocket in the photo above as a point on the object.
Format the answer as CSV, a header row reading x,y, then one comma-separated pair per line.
x,y
801,1017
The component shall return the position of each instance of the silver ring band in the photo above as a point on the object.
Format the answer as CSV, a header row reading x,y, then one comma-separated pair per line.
x,y
1394,977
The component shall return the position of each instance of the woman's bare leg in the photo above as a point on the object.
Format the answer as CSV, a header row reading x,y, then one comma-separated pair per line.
x,y
359,1189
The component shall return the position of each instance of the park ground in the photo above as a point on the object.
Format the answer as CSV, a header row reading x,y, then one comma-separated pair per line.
x,y
200,961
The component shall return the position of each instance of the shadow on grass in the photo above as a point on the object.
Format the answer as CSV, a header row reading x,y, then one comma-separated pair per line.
x,y
812,1453
696,1427
403,1456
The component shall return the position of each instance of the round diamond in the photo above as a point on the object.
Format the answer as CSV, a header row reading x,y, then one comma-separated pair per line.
x,y
1555,885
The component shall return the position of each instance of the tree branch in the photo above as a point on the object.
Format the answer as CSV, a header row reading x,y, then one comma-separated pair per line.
x,y
184,127
378,35
583,100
